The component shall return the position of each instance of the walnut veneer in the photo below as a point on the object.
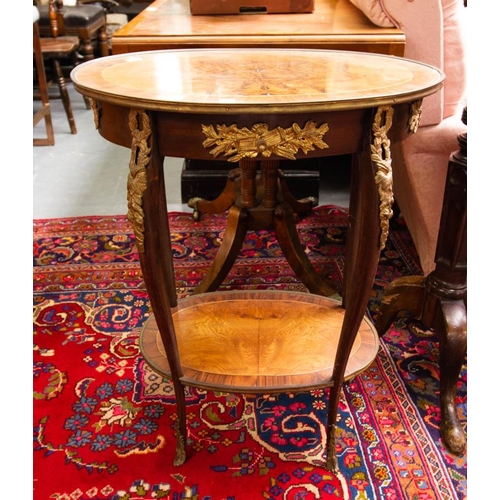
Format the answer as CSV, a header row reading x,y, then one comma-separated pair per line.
x,y
255,107
260,342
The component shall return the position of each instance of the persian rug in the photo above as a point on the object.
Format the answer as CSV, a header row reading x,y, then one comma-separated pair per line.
x,y
104,422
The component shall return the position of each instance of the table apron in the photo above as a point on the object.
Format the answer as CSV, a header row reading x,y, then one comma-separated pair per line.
x,y
196,136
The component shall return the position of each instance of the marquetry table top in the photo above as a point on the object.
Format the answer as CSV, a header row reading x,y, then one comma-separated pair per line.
x,y
254,80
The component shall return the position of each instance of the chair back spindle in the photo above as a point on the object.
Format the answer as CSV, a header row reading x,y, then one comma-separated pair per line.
x,y
54,25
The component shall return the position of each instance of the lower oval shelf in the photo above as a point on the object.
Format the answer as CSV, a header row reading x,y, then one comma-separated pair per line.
x,y
258,341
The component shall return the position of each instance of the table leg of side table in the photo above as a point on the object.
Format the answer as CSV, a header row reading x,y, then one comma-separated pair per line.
x,y
147,211
234,236
363,227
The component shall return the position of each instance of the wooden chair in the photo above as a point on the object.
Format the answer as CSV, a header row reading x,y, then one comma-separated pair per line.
x,y
55,48
87,22
44,112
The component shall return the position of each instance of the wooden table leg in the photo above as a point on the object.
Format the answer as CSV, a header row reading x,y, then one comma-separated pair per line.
x,y
365,257
222,203
147,212
232,242
439,300
288,238
366,234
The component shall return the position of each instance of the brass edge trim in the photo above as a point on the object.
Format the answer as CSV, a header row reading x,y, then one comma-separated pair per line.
x,y
239,143
180,448
381,156
140,152
257,108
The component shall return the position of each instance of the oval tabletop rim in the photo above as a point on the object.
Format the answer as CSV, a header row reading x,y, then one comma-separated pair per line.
x,y
98,79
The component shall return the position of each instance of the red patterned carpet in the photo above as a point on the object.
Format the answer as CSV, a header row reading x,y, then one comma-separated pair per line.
x,y
104,422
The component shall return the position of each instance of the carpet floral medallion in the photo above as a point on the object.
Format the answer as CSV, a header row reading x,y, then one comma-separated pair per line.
x,y
104,422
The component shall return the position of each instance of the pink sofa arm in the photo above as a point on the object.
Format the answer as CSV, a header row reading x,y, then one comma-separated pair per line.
x,y
419,182
434,35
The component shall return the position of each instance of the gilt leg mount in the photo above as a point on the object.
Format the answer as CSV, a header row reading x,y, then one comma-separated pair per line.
x,y
140,155
332,462
381,157
180,449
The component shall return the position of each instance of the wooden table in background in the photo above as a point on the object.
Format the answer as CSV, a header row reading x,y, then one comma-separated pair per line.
x,y
252,108
334,24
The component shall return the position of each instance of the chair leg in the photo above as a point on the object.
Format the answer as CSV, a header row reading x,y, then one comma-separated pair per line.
x,y
45,111
87,49
45,114
64,95
103,41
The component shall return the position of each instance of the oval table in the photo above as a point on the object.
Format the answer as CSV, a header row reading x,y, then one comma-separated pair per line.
x,y
253,108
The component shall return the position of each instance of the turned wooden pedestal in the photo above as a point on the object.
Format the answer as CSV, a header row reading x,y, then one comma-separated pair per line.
x,y
440,299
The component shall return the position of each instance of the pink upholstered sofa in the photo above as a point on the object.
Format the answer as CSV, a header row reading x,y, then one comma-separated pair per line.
x,y
435,34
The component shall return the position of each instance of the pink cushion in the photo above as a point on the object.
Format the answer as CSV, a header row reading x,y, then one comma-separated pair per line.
x,y
374,10
454,15
434,35
434,31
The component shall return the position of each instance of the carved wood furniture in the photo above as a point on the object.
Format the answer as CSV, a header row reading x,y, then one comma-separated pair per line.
x,y
431,190
44,112
334,24
57,47
248,106
87,22
439,299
